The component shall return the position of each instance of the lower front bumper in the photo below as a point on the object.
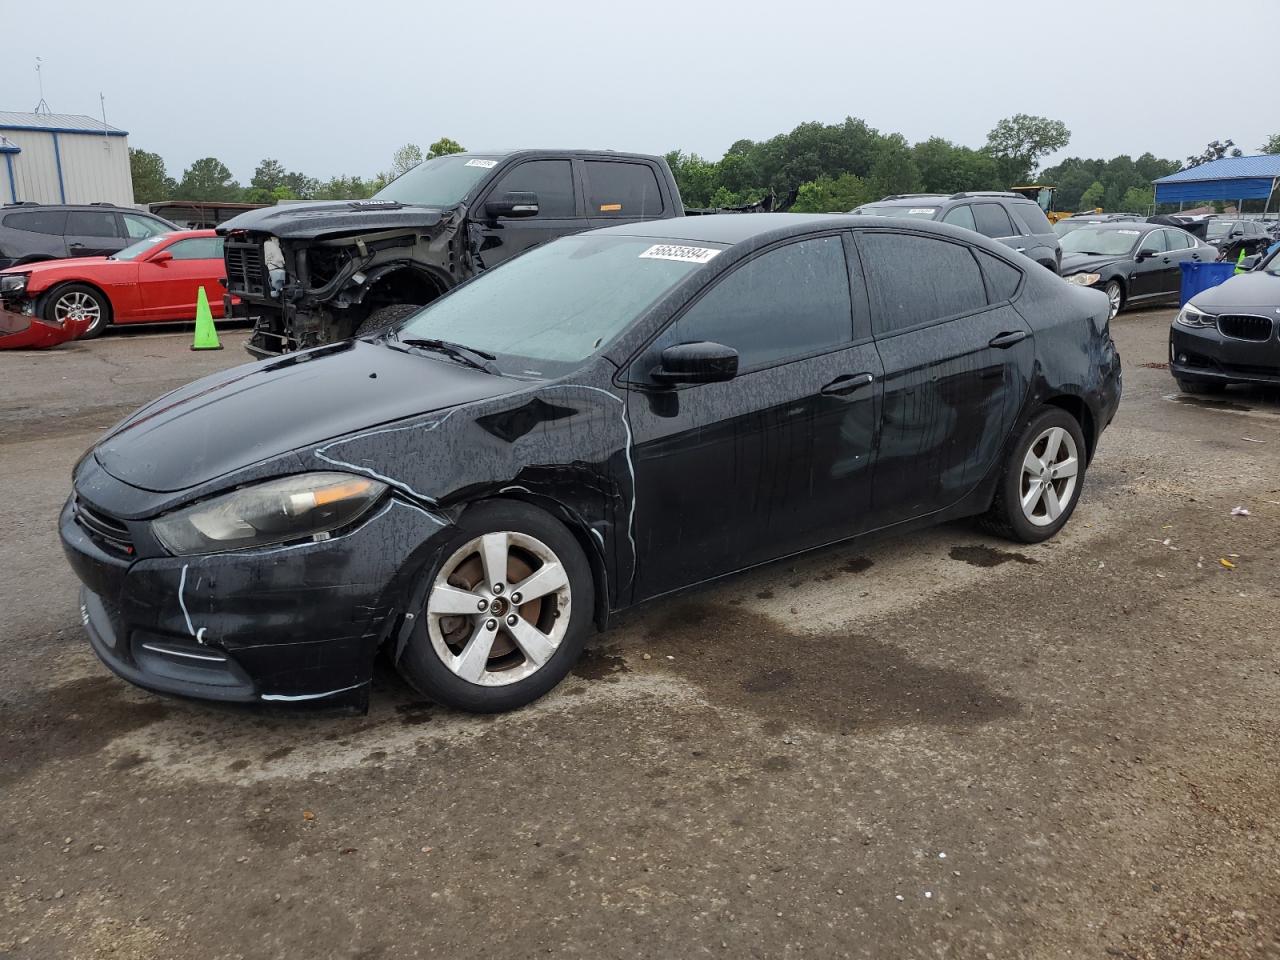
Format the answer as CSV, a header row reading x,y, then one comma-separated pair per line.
x,y
22,331
292,623
1205,355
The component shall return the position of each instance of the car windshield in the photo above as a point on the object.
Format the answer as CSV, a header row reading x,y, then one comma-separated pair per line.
x,y
1220,228
545,312
898,210
135,250
1272,266
439,182
1093,240
1071,225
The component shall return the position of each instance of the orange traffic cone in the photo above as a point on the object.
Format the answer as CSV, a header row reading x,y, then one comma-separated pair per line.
x,y
206,334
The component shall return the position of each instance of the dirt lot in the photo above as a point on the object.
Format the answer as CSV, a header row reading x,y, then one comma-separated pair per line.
x,y
935,746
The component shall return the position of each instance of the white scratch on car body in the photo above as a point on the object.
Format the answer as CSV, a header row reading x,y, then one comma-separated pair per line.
x,y
291,698
182,585
391,481
631,514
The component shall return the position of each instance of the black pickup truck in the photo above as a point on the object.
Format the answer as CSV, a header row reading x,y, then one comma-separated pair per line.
x,y
313,273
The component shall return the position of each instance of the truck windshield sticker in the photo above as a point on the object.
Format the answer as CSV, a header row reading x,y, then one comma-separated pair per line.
x,y
610,207
487,164
669,251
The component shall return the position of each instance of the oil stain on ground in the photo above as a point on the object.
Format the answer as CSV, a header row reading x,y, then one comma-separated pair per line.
x,y
980,556
840,682
75,719
595,664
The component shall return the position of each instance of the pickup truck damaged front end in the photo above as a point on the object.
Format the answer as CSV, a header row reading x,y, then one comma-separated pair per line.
x,y
311,274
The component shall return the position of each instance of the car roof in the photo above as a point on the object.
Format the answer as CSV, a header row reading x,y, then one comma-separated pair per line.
x,y
759,228
1111,225
551,151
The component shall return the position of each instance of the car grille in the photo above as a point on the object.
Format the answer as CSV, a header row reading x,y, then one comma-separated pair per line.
x,y
1244,327
246,269
107,532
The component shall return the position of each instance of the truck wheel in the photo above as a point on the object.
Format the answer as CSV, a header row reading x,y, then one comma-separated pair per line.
x,y
384,318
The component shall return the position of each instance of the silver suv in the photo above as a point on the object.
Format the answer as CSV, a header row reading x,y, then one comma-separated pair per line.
x,y
1010,218
30,232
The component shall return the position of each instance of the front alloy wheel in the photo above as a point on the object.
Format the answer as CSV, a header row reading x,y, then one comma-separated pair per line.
x,y
1115,297
499,608
506,610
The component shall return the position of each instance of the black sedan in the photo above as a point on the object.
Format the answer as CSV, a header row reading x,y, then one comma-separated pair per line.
x,y
606,419
1230,333
1132,263
1233,237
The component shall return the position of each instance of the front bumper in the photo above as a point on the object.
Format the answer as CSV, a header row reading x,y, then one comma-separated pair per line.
x,y
1205,354
26,331
297,622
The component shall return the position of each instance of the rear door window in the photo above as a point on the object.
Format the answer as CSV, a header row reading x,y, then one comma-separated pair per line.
x,y
1002,278
618,189
1032,217
943,280
91,223
992,221
551,180
38,221
961,216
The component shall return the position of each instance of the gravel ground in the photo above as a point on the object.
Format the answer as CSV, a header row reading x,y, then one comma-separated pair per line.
x,y
938,745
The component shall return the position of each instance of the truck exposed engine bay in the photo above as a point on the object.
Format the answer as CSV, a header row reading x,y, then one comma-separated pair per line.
x,y
313,273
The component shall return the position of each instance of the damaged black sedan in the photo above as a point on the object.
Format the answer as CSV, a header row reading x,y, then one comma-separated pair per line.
x,y
609,418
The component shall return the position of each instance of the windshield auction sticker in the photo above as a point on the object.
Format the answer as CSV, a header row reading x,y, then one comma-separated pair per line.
x,y
1129,233
670,251
487,164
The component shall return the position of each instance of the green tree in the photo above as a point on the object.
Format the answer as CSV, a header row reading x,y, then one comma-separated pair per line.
x,y
893,169
347,188
405,159
948,168
833,195
1020,142
1216,150
443,147
268,175
1272,145
1094,196
151,181
697,178
208,179
1138,200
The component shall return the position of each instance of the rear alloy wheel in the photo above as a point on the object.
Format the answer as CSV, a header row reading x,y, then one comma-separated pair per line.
x,y
507,611
1042,479
77,302
1116,297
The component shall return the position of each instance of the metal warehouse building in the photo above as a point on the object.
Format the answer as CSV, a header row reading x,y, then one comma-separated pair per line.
x,y
63,158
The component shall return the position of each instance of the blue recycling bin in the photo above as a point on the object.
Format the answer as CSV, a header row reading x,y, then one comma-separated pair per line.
x,y
1198,276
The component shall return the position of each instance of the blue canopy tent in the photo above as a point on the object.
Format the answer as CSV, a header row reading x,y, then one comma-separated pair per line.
x,y
1231,178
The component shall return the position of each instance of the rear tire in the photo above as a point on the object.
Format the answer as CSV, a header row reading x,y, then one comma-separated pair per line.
x,y
384,318
1042,480
509,604
1200,387
78,300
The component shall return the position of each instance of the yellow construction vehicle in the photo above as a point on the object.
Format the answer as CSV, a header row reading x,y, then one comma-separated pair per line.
x,y
1043,195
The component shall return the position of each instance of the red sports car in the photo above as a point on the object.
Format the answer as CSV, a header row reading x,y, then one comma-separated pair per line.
x,y
155,279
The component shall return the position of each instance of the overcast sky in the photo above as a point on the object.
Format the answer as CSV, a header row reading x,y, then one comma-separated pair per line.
x,y
330,87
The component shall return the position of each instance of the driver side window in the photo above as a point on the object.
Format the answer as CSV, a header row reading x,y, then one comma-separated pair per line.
x,y
1154,242
551,180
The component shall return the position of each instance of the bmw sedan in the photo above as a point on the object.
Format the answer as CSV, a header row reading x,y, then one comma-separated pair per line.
x,y
1230,333
609,418
1132,263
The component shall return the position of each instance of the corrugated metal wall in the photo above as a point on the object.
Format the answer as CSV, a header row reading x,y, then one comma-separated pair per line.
x,y
93,167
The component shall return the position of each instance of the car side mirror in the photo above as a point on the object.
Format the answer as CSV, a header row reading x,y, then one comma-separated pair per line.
x,y
517,203
163,257
1145,254
700,362
1251,262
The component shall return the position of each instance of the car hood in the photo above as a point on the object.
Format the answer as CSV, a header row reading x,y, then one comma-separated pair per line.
x,y
42,267
1244,293
1087,262
251,413
306,221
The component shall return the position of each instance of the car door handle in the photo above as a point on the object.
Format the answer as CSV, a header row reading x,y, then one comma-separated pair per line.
x,y
841,386
1003,341
75,246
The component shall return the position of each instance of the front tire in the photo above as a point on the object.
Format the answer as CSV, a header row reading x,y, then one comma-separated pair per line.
x,y
79,301
508,608
1042,479
1115,296
384,318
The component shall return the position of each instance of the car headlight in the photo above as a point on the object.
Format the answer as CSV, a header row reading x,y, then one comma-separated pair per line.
x,y
1189,316
13,282
1084,279
290,508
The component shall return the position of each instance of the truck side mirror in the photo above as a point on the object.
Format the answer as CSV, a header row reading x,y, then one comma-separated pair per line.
x,y
517,203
